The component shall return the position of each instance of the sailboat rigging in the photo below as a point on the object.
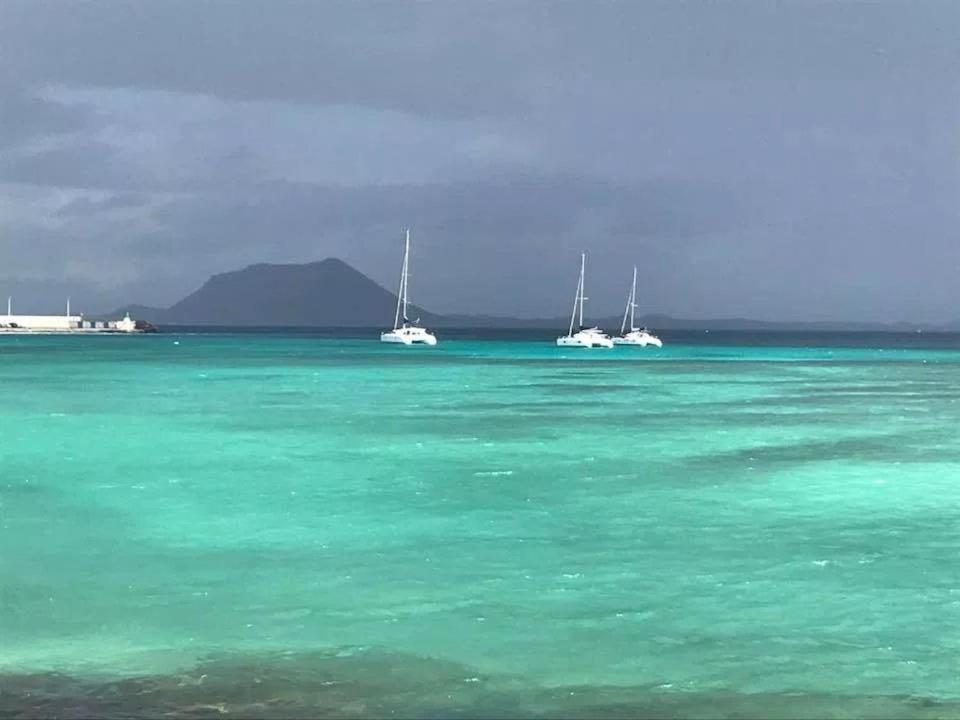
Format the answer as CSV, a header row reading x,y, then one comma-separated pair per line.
x,y
583,337
406,332
635,335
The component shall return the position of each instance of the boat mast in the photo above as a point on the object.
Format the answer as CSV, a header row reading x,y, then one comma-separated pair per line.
x,y
583,262
68,307
629,307
576,303
9,305
401,291
633,299
406,273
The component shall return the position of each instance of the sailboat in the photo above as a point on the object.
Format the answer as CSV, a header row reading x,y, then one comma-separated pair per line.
x,y
635,336
583,337
406,332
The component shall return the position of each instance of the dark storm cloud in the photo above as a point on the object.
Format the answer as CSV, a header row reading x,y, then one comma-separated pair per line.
x,y
478,58
423,58
780,159
509,208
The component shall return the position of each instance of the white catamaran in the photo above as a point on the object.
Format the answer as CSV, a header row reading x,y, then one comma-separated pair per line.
x,y
406,333
584,337
635,336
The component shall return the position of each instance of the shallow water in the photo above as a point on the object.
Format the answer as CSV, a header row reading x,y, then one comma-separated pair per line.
x,y
487,527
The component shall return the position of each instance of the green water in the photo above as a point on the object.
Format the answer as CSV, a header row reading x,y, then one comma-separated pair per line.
x,y
495,527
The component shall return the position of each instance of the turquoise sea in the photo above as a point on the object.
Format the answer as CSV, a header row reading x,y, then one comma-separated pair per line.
x,y
300,524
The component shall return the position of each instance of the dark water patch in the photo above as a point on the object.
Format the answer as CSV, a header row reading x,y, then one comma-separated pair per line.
x,y
564,376
700,366
878,394
741,417
376,684
224,375
22,487
509,424
820,395
894,447
544,421
471,414
418,359
551,419
879,388
574,388
466,410
894,549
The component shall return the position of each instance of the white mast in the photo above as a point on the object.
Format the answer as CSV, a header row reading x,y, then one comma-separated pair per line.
x,y
583,337
577,302
628,310
9,305
402,290
406,273
583,262
68,307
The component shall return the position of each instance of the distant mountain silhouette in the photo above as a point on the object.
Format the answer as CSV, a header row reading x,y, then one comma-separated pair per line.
x,y
330,293
327,293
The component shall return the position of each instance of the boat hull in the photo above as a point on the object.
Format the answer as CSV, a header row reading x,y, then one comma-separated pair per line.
x,y
638,339
585,340
407,336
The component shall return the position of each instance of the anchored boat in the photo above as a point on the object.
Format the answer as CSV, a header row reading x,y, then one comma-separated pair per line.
x,y
635,336
406,332
584,337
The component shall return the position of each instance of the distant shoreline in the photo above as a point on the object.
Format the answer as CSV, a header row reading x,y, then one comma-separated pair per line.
x,y
505,330
331,293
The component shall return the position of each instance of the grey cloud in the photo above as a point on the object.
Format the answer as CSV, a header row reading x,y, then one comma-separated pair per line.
x,y
47,295
95,164
470,59
26,115
507,205
410,57
85,164
86,206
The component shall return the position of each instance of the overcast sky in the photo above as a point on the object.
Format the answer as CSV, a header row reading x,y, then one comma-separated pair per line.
x,y
776,160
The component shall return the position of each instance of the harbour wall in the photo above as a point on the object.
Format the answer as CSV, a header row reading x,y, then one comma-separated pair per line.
x,y
45,322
